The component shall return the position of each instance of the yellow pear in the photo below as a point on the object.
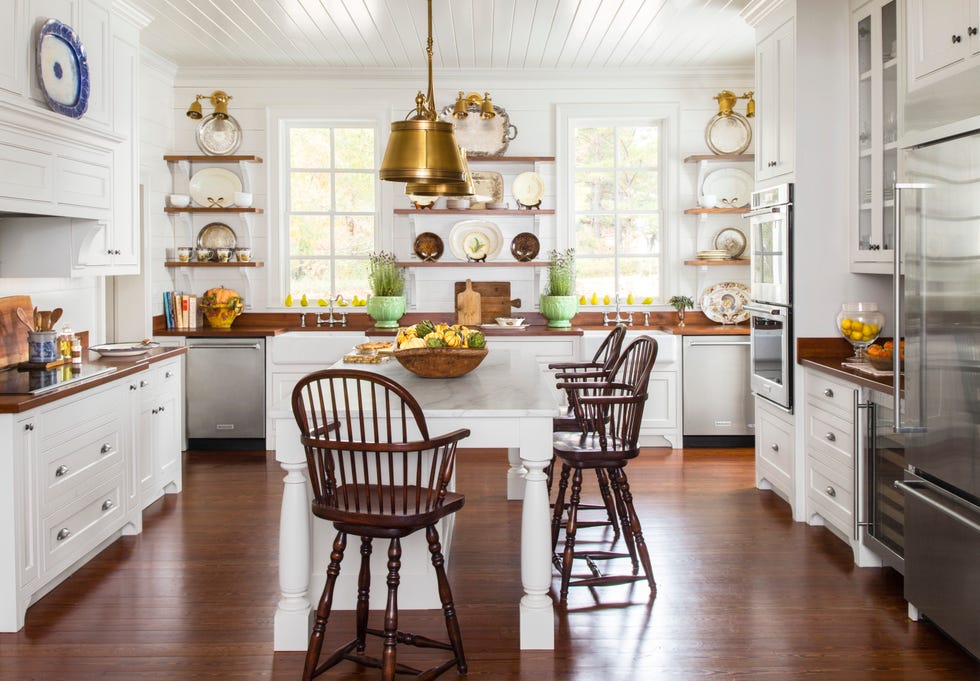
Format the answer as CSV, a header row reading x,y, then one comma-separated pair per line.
x,y
595,298
304,301
342,302
605,300
289,300
648,300
629,299
582,299
321,302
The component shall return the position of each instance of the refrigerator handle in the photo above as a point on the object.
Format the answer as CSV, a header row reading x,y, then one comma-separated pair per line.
x,y
899,296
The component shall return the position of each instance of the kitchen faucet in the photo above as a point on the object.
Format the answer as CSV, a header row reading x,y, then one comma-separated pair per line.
x,y
618,318
339,318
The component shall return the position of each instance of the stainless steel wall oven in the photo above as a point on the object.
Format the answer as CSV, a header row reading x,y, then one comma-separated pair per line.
x,y
771,284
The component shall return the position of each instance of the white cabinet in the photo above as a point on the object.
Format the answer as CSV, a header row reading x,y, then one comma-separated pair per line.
x,y
159,431
942,38
775,458
876,98
775,68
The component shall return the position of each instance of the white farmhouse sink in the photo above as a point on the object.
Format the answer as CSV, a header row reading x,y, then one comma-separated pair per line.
x,y
668,345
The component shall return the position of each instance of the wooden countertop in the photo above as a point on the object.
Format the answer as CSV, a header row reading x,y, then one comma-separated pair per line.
x,y
261,324
125,366
828,354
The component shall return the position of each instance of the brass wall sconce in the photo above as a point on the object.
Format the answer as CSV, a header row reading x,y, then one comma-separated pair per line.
x,y
475,103
422,150
727,99
219,101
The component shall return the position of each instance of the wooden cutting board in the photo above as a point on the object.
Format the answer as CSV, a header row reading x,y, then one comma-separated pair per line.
x,y
495,300
13,346
468,305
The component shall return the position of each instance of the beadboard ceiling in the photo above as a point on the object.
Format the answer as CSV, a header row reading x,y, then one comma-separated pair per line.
x,y
469,34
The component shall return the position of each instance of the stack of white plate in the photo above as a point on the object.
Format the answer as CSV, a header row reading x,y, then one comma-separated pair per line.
x,y
714,254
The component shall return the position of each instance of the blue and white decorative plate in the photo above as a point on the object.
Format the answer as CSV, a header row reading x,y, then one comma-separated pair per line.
x,y
62,69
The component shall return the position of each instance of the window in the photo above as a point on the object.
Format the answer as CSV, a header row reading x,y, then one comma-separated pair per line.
x,y
330,206
617,207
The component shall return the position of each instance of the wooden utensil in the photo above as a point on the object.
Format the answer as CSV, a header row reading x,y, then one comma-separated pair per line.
x,y
45,322
55,316
25,320
468,305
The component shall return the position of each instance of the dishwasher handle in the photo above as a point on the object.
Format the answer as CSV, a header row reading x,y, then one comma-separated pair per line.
x,y
226,346
693,344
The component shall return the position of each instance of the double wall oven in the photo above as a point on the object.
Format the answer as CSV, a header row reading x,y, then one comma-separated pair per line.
x,y
771,284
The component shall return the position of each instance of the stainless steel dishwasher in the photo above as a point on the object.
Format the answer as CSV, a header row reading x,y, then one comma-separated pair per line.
x,y
718,406
225,388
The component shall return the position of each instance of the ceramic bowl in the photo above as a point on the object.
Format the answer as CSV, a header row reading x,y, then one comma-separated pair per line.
x,y
510,321
179,200
243,199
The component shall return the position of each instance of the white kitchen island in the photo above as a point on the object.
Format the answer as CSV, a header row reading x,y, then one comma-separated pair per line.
x,y
507,402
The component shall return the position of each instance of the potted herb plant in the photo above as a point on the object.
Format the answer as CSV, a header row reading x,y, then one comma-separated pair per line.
x,y
386,304
681,303
559,303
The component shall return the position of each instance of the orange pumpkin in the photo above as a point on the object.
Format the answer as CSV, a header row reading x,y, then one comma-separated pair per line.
x,y
221,306
221,296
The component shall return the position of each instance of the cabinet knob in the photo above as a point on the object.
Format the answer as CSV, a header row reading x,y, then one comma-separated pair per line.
x,y
28,426
154,411
831,437
106,448
169,374
957,38
160,410
144,383
107,504
62,471
63,534
828,392
971,30
831,492
132,386
774,447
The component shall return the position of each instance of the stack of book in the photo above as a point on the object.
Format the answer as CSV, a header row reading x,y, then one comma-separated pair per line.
x,y
180,310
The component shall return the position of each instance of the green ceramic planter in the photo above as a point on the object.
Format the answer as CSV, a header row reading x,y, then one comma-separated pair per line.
x,y
385,310
559,310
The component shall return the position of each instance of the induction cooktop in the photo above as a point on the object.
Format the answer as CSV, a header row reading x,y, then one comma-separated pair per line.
x,y
16,382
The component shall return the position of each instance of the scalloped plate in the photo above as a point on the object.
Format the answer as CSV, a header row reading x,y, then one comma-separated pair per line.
x,y
475,240
724,302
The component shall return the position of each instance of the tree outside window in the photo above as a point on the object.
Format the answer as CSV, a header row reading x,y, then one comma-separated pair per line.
x,y
617,209
331,209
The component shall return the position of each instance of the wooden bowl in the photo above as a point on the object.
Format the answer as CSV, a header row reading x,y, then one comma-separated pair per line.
x,y
440,362
883,363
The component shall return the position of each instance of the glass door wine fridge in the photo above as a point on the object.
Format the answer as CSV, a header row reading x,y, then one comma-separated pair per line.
x,y
884,519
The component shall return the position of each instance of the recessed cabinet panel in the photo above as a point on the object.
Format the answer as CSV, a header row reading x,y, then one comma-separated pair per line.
x,y
13,65
93,31
25,174
84,183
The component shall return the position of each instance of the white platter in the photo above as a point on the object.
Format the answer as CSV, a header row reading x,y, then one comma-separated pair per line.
x,y
475,240
528,189
215,187
488,185
732,186
725,302
123,349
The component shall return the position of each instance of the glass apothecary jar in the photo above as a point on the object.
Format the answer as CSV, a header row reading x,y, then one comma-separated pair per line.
x,y
860,324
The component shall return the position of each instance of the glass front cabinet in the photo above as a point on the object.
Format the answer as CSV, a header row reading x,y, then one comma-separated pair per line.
x,y
876,42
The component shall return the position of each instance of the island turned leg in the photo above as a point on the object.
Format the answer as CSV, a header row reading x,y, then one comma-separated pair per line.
x,y
515,474
537,608
294,614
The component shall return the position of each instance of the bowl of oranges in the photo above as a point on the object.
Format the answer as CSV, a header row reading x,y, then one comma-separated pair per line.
x,y
882,356
860,324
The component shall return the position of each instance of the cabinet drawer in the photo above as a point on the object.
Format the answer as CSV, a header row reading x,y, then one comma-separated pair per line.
x,y
830,494
774,444
66,419
69,469
78,527
829,437
830,394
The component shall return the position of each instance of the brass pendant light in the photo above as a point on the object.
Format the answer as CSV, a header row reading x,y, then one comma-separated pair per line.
x,y
464,188
422,150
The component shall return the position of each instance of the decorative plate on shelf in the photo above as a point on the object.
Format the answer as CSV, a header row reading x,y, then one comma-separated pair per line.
x,y
428,246
215,187
62,69
219,137
216,235
731,240
123,349
475,240
724,303
525,247
732,186
528,189
488,185
730,134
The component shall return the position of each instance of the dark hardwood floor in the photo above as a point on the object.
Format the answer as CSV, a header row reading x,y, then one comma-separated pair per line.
x,y
743,592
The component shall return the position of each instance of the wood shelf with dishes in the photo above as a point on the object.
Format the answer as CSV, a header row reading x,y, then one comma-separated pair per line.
x,y
716,263
196,209
462,263
195,263
721,191
476,211
715,211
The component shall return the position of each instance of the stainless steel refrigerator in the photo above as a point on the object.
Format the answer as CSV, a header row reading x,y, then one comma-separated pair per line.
x,y
938,244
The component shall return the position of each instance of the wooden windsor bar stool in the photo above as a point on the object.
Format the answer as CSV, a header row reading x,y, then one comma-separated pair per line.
x,y
377,474
609,415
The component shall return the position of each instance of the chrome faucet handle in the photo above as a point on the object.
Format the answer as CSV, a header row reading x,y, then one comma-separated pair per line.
x,y
302,319
646,319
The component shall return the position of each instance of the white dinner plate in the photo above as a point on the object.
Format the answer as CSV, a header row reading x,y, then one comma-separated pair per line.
x,y
528,189
731,185
478,240
215,187
123,349
724,303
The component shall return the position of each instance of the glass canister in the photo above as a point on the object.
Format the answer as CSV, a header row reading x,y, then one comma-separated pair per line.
x,y
860,324
64,342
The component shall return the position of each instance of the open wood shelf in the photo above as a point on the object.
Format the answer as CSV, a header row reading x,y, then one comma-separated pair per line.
x,y
703,211
459,263
728,158
478,211
715,263
511,159
202,158
230,263
232,209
